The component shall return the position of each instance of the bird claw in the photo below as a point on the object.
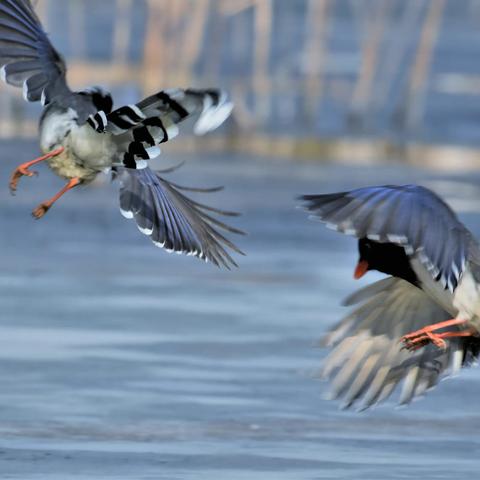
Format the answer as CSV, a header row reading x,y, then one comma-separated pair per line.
x,y
420,338
41,210
17,175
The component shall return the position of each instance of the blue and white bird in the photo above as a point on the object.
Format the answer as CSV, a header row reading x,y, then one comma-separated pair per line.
x,y
81,135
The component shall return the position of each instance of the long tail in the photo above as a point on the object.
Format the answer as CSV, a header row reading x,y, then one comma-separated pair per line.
x,y
139,129
172,220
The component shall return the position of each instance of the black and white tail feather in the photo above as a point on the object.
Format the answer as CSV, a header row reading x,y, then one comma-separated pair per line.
x,y
139,129
159,207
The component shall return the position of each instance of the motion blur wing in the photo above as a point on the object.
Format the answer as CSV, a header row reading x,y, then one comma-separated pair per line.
x,y
411,216
367,360
27,57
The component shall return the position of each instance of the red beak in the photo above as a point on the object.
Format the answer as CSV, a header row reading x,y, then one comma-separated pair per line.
x,y
361,269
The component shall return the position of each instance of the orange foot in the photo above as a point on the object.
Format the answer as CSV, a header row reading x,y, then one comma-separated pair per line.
x,y
415,340
19,172
41,210
23,171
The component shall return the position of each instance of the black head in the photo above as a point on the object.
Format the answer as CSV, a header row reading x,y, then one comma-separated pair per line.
x,y
386,258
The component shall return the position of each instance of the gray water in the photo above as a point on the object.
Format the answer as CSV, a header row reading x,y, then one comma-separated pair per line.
x,y
120,361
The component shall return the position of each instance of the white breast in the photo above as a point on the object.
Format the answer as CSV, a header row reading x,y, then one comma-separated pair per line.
x,y
465,300
54,129
434,289
466,297
84,146
92,149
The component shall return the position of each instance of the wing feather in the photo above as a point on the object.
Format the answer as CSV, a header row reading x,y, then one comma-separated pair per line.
x,y
410,216
26,52
367,360
172,220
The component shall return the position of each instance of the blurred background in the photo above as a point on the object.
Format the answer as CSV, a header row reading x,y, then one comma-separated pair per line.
x,y
120,361
336,78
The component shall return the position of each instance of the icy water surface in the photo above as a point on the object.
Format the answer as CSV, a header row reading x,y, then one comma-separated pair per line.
x,y
119,361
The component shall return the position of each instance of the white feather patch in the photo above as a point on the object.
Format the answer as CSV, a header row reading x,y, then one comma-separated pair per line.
x,y
213,118
397,238
141,164
332,226
457,361
207,103
455,270
3,73
408,384
153,152
102,115
95,123
175,93
25,90
145,231
126,214
172,131
137,111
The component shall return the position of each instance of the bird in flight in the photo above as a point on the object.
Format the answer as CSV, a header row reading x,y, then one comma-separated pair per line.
x,y
420,324
82,135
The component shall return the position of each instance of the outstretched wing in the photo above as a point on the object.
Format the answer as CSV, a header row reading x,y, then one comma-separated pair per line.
x,y
410,216
27,57
172,220
138,129
367,361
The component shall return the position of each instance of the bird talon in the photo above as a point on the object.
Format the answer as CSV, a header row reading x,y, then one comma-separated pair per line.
x,y
26,172
437,341
414,344
40,211
414,341
17,175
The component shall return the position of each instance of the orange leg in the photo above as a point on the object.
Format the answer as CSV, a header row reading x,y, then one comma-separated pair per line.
x,y
437,338
426,335
22,170
43,208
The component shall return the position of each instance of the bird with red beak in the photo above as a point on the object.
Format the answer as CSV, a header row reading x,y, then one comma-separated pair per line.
x,y
421,323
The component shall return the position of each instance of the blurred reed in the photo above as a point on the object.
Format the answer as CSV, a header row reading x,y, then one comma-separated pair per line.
x,y
301,69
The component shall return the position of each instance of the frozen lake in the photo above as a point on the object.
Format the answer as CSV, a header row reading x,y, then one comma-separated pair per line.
x,y
119,361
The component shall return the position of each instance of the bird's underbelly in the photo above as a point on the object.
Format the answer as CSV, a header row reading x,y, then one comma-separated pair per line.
x,y
432,288
67,166
467,299
86,153
463,303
